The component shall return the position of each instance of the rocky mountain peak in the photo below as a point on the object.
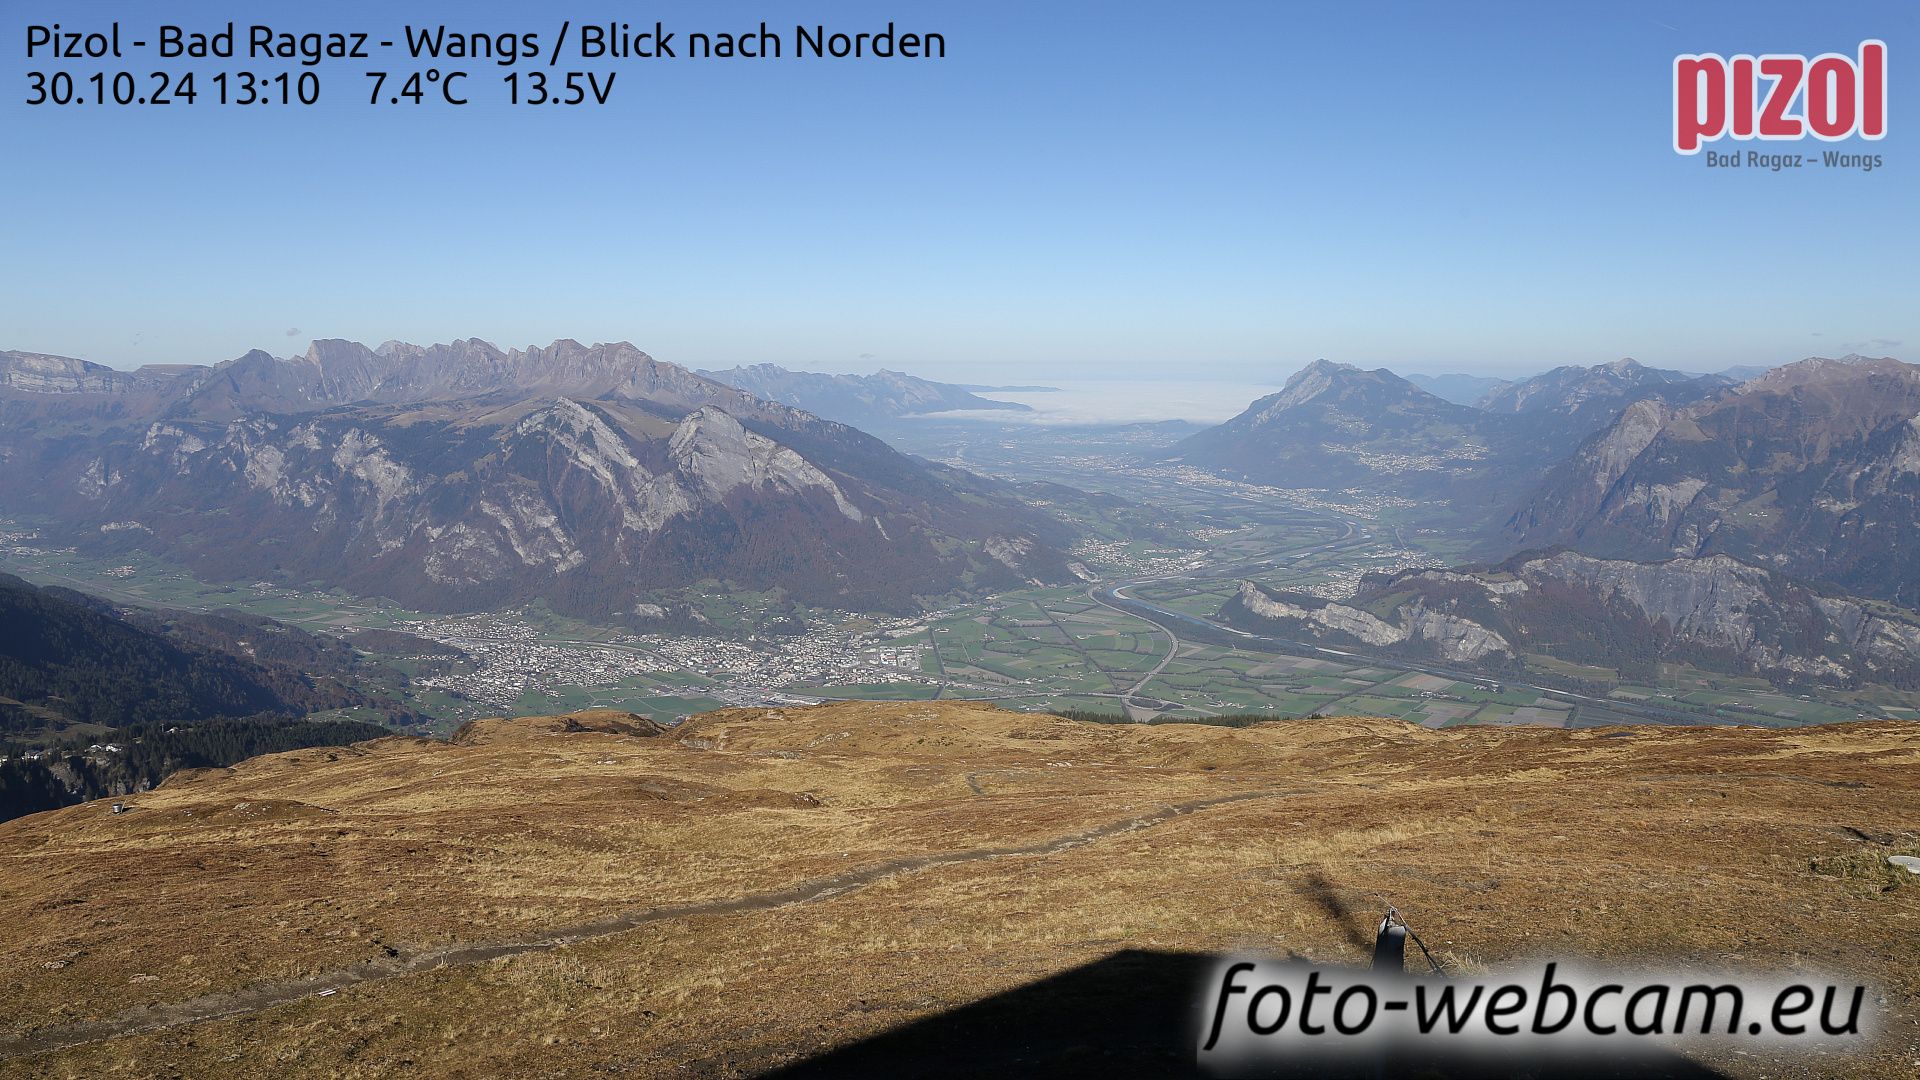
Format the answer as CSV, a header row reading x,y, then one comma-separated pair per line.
x,y
710,423
325,352
1310,382
564,414
716,451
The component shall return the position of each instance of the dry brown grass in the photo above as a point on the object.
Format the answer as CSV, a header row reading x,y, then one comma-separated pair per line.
x,y
1656,845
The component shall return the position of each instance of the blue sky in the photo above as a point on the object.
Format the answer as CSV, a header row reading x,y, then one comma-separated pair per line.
x,y
1078,190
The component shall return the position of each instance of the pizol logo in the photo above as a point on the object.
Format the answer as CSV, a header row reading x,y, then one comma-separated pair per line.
x,y
1779,97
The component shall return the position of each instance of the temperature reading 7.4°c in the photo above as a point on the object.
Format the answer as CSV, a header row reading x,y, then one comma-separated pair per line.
x,y
417,88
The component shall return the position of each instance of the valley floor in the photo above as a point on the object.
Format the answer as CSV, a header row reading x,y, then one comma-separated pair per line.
x,y
1139,641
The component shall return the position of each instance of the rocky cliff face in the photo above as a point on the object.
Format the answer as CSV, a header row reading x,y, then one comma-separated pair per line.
x,y
447,477
43,395
1440,633
39,373
1813,469
1715,612
712,451
587,504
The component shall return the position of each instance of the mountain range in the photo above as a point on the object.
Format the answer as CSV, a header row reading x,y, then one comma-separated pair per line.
x,y
1585,399
1375,433
860,400
1813,468
600,480
1335,425
1742,526
461,476
1482,390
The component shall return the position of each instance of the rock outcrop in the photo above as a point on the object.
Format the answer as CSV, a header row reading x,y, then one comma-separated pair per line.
x,y
1715,612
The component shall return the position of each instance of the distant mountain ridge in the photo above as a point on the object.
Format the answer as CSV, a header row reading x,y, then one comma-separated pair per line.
x,y
1337,426
860,400
1730,525
1334,425
462,475
1590,397
44,373
334,372
1461,389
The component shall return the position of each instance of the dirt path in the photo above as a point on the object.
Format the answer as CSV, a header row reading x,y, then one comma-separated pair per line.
x,y
267,995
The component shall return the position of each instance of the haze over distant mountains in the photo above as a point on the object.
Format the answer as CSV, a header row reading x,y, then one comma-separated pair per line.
x,y
1458,388
465,476
1587,398
1335,425
860,400
1467,389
